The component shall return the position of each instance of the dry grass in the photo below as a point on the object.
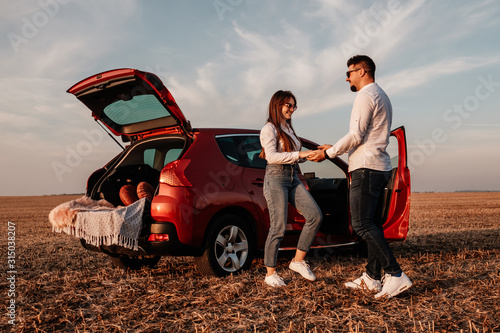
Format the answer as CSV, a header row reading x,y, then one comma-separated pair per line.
x,y
452,255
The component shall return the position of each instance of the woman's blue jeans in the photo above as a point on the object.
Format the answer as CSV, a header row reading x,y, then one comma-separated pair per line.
x,y
366,197
282,186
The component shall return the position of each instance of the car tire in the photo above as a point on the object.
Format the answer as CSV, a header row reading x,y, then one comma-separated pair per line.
x,y
229,247
134,263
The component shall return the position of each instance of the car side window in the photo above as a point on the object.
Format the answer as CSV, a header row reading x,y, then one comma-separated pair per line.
x,y
242,150
227,146
149,156
155,153
172,155
157,159
250,148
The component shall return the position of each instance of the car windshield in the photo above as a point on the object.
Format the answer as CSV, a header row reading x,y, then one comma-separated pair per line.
x,y
138,109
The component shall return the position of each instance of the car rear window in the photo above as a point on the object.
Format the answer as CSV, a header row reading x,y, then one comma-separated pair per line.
x,y
138,109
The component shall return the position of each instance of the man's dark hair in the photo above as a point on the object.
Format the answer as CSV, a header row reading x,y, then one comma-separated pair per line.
x,y
365,61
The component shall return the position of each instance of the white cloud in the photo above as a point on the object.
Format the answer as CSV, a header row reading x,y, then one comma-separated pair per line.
x,y
413,77
71,36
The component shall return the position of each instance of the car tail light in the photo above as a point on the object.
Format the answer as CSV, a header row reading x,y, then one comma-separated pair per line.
x,y
158,238
173,174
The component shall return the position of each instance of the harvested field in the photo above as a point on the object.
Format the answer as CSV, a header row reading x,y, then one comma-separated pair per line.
x,y
452,255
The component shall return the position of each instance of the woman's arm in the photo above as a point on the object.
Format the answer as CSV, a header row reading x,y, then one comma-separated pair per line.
x,y
268,140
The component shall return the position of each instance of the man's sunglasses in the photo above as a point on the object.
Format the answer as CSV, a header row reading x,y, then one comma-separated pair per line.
x,y
348,73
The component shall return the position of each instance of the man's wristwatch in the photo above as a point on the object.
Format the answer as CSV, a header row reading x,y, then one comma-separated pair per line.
x,y
326,155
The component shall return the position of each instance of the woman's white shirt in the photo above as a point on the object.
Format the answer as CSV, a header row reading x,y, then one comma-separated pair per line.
x,y
276,155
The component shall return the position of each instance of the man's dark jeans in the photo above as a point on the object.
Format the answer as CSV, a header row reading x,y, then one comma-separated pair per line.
x,y
366,200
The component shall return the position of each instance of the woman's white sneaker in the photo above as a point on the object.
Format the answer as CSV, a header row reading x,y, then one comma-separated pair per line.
x,y
394,285
365,282
302,268
274,280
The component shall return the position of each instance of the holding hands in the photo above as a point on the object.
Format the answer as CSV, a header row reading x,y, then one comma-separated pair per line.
x,y
319,155
306,153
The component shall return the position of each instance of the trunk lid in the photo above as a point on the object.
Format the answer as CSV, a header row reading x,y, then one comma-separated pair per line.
x,y
131,103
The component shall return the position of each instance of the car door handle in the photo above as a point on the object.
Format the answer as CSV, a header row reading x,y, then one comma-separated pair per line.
x,y
258,182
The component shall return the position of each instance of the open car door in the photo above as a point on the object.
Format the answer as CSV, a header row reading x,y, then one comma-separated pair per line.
x,y
397,208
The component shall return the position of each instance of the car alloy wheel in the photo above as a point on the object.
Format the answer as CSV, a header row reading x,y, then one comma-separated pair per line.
x,y
229,247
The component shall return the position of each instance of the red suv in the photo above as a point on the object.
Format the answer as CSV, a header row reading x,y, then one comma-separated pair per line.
x,y
208,201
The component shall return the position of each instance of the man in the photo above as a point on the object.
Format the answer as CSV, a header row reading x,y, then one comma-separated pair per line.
x,y
370,169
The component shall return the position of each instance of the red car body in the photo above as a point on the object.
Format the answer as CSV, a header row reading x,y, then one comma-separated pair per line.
x,y
208,201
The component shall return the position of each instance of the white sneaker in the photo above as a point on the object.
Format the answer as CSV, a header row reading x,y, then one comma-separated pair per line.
x,y
393,285
365,282
274,280
302,268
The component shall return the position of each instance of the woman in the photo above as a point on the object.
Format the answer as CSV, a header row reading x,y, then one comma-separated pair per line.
x,y
281,149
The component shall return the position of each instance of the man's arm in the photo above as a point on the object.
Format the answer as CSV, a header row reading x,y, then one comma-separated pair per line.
x,y
361,116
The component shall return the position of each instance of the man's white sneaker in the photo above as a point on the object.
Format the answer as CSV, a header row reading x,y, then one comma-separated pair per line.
x,y
302,268
274,280
365,282
394,285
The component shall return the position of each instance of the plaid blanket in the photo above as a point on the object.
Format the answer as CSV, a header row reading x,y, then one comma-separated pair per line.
x,y
99,222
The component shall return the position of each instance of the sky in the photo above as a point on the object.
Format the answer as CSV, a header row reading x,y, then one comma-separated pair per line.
x,y
439,62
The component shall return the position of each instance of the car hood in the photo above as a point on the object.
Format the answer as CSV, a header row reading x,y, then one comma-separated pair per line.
x,y
130,102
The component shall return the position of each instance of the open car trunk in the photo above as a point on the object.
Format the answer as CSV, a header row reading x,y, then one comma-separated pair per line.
x,y
140,162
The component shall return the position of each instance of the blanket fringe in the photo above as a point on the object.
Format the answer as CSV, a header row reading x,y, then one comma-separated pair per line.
x,y
97,241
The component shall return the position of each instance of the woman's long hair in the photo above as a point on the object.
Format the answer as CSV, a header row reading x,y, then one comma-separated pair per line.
x,y
275,117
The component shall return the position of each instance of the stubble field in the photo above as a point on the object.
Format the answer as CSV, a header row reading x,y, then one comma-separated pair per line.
x,y
452,256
